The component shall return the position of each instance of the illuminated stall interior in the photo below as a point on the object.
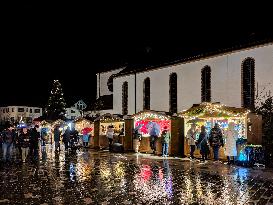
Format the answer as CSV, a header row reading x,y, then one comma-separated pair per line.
x,y
104,122
208,114
145,120
82,124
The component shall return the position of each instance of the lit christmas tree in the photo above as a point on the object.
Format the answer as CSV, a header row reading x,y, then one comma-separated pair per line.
x,y
56,104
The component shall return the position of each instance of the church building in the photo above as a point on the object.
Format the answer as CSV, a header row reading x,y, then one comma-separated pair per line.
x,y
235,77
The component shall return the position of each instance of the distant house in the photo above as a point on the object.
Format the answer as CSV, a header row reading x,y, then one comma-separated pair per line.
x,y
15,113
75,110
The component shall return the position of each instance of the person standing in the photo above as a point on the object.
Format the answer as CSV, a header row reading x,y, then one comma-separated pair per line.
x,y
66,138
110,135
137,137
57,137
7,144
203,143
34,142
192,136
165,140
85,139
24,143
216,140
230,146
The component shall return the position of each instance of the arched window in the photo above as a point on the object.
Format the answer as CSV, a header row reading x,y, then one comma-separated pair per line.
x,y
248,83
206,84
173,92
125,98
146,94
110,83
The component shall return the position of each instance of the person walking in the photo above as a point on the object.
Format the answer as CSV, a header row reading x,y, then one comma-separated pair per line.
x,y
34,142
203,143
165,139
216,140
57,137
8,137
24,143
191,137
231,136
110,135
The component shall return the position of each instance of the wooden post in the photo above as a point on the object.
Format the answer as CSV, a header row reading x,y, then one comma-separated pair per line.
x,y
128,137
177,137
97,134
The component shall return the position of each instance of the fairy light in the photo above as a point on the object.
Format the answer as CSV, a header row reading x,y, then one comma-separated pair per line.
x,y
214,109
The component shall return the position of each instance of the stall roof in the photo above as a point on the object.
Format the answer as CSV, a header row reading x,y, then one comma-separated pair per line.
x,y
151,114
81,119
109,117
213,110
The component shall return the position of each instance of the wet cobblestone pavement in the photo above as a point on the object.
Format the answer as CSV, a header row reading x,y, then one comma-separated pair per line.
x,y
98,177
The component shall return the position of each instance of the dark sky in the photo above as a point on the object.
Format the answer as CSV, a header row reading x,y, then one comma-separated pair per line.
x,y
73,42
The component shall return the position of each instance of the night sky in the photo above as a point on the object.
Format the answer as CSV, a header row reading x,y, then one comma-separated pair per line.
x,y
46,42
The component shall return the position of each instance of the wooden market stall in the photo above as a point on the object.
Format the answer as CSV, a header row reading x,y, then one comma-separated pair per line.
x,y
208,114
100,128
144,120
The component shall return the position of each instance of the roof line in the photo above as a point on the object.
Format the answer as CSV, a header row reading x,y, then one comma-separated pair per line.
x,y
195,58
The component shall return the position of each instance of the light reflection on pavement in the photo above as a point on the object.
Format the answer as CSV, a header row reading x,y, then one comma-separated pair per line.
x,y
96,177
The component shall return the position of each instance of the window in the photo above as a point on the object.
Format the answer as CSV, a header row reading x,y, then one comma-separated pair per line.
x,y
20,109
110,83
146,94
27,109
248,83
73,111
36,110
4,110
7,109
125,98
12,109
206,84
173,92
30,110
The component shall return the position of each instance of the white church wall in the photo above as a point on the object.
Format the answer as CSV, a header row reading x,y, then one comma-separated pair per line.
x,y
225,81
102,79
117,97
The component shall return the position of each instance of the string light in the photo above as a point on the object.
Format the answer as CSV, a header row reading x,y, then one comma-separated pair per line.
x,y
214,110
150,116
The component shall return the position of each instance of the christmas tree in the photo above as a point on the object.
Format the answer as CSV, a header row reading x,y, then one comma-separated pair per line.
x,y
56,104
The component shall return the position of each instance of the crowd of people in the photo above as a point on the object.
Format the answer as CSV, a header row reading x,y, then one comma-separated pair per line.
x,y
23,144
197,139
215,139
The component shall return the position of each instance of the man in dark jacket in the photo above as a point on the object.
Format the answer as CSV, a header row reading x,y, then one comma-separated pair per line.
x,y
165,140
8,141
34,142
216,140
8,137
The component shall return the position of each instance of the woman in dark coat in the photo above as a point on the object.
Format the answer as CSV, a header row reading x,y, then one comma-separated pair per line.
x,y
202,143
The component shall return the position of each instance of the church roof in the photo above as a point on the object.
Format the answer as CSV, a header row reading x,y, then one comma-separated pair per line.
x,y
104,102
193,55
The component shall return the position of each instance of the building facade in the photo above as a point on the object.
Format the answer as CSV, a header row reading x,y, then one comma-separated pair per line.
x,y
235,78
75,110
16,113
